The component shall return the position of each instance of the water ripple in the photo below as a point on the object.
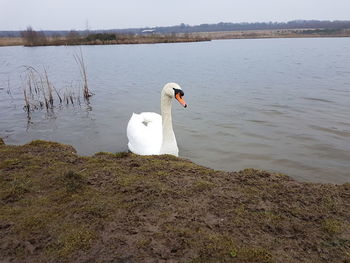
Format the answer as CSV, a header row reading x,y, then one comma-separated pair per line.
x,y
318,99
289,116
331,130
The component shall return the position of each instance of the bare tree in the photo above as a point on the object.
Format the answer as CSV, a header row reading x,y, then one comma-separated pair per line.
x,y
73,37
32,37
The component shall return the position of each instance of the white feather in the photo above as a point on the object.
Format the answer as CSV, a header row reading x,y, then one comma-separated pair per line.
x,y
144,132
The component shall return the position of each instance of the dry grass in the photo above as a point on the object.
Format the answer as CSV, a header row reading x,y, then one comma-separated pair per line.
x,y
79,59
40,93
11,41
120,39
37,90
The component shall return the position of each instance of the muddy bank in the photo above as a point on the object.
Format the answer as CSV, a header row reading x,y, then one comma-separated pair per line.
x,y
56,206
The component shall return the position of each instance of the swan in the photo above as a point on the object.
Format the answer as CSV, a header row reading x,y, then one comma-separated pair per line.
x,y
152,134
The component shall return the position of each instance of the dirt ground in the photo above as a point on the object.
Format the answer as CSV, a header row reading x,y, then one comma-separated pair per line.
x,y
57,206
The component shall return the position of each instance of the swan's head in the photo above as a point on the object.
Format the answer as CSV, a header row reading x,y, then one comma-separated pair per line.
x,y
173,90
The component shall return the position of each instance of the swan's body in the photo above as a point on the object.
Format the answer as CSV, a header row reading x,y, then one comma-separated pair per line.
x,y
144,132
150,133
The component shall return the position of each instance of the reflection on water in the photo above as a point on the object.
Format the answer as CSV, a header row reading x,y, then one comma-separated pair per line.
x,y
278,104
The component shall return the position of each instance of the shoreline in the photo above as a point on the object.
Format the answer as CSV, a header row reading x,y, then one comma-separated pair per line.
x,y
59,206
183,37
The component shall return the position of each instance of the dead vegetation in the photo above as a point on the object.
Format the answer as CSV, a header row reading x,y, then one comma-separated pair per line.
x,y
11,41
74,38
56,206
32,38
40,93
79,59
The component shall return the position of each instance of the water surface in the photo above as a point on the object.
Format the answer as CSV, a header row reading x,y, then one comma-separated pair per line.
x,y
275,104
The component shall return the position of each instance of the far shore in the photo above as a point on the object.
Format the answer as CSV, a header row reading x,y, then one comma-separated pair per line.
x,y
179,37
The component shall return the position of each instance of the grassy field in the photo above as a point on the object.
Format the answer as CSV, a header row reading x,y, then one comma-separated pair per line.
x,y
11,41
57,206
283,33
94,39
101,39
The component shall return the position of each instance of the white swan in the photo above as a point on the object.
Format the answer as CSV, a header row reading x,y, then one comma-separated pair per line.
x,y
150,133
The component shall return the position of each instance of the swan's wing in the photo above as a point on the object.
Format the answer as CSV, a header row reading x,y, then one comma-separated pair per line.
x,y
144,132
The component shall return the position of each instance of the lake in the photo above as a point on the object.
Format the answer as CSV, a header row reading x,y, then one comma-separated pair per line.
x,y
281,105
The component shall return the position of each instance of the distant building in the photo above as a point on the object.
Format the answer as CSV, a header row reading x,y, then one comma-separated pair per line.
x,y
148,31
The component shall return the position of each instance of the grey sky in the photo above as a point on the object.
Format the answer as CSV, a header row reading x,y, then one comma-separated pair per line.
x,y
109,14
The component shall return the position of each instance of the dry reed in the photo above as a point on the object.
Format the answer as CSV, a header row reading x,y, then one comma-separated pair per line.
x,y
39,91
79,59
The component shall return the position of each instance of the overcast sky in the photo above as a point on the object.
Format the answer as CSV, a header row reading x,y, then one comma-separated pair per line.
x,y
109,14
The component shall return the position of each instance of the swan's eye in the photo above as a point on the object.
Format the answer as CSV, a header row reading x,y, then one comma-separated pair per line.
x,y
179,91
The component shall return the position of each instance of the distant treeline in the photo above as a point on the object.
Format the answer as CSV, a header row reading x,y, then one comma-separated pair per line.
x,y
183,28
297,24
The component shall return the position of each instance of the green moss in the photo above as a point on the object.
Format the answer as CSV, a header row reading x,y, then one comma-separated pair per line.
x,y
233,253
33,222
203,185
103,154
328,203
205,171
94,205
15,190
30,169
9,163
332,226
75,238
114,155
251,191
72,181
270,216
113,206
223,248
52,147
249,171
162,173
122,155
97,160
43,143
254,254
143,242
129,180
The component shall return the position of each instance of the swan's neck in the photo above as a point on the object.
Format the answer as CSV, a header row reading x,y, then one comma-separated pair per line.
x,y
165,108
169,145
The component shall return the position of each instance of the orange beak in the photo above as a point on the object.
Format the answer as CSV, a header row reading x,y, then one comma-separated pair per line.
x,y
181,100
